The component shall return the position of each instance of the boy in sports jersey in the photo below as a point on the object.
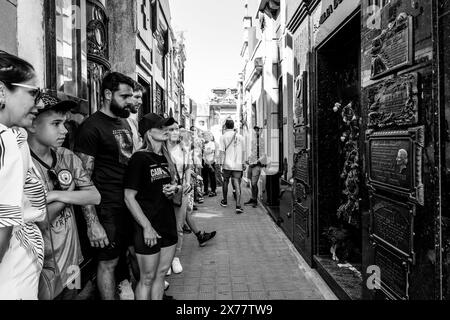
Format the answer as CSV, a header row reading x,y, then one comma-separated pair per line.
x,y
67,184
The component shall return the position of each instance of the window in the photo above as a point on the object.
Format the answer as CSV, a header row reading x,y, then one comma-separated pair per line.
x,y
71,56
144,14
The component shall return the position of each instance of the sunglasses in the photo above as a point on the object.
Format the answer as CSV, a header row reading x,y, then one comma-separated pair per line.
x,y
54,178
35,92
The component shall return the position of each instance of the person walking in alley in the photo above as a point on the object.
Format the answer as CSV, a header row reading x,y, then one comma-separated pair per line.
x,y
256,163
104,144
210,154
232,155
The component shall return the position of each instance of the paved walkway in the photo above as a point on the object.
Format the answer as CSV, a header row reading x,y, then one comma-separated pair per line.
x,y
250,258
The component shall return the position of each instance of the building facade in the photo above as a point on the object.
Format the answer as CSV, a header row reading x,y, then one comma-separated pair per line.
x,y
155,57
362,115
223,105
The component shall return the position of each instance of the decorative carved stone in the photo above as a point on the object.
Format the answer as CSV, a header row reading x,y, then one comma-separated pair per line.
x,y
392,224
394,102
301,218
392,49
395,162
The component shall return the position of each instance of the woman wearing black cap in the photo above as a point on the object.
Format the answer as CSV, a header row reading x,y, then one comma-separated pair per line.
x,y
22,196
149,189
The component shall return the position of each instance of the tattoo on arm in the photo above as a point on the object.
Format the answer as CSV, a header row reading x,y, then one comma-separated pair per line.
x,y
90,215
88,163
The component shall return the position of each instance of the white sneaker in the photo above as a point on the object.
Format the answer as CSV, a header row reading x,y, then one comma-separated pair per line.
x,y
169,272
126,291
166,285
176,266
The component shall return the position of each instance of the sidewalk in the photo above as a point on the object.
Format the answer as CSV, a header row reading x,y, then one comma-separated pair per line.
x,y
250,258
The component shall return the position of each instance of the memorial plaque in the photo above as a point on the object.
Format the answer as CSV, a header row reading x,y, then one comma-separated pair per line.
x,y
392,49
301,168
301,137
392,224
394,102
395,162
301,90
394,274
301,217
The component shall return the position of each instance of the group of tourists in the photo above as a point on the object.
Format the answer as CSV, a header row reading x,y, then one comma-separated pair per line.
x,y
136,183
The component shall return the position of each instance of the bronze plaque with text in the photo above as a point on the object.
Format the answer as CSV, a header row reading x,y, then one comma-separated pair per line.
x,y
392,49
395,161
300,137
301,168
394,273
392,224
394,102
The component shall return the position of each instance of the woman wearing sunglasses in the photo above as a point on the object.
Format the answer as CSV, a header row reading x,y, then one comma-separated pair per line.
x,y
22,196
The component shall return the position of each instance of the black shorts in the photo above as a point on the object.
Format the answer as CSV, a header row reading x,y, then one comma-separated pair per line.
x,y
227,174
167,239
117,222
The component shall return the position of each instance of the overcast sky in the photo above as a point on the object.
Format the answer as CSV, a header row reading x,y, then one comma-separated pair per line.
x,y
213,32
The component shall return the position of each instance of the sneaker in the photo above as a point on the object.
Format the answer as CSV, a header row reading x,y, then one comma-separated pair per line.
x,y
166,285
239,210
176,266
223,203
126,291
169,272
205,237
194,208
212,194
201,200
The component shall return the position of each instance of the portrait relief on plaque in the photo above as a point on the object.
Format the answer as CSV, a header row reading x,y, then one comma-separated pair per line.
x,y
395,162
392,224
394,102
393,48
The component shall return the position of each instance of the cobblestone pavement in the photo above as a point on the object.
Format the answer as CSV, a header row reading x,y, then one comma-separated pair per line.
x,y
250,259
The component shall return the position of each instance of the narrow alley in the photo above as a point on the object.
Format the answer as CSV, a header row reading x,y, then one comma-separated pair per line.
x,y
250,259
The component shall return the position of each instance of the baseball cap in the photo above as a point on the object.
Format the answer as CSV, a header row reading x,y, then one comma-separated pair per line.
x,y
152,121
52,102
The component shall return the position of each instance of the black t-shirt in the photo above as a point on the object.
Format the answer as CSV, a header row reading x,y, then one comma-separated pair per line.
x,y
109,141
147,173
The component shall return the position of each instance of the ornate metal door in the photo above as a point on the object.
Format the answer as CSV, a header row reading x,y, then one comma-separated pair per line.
x,y
98,51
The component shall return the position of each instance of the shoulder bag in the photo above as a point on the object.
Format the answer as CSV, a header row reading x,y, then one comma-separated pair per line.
x,y
178,197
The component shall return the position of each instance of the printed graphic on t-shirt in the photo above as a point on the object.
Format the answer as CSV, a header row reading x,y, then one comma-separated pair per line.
x,y
125,144
63,220
159,172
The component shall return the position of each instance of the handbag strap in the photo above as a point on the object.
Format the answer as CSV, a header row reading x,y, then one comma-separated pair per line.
x,y
51,241
229,144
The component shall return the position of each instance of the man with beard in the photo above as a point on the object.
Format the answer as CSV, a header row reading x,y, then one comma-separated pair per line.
x,y
138,92
105,144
